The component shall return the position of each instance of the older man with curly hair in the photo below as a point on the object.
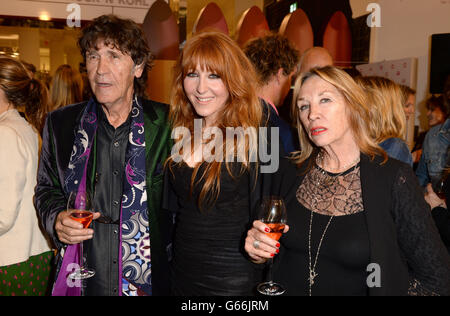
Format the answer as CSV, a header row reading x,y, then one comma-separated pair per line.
x,y
113,146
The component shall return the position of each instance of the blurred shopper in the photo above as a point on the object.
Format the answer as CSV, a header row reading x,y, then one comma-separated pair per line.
x,y
66,88
437,111
315,57
436,146
387,120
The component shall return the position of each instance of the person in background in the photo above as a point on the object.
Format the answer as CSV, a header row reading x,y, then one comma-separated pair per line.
x,y
66,87
25,256
439,209
436,115
436,110
408,101
213,194
387,120
114,146
275,61
409,106
315,57
311,58
436,146
349,205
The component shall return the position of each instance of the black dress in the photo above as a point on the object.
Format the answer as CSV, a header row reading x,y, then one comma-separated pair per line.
x,y
209,258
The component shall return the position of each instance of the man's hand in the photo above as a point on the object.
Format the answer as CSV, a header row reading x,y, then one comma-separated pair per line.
x,y
70,231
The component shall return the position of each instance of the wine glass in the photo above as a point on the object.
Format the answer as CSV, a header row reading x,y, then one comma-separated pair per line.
x,y
439,187
273,214
80,208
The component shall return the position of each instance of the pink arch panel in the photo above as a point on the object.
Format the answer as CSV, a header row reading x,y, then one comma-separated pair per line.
x,y
211,18
161,31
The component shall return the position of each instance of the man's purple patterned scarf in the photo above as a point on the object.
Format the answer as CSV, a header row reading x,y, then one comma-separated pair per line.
x,y
135,266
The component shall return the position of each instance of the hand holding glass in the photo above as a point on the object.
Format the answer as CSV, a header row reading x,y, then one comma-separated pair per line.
x,y
273,214
440,186
80,208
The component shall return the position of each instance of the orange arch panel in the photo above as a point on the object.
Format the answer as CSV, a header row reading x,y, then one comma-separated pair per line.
x,y
252,24
297,28
337,39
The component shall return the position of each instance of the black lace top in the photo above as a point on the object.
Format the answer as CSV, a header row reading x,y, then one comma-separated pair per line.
x,y
331,194
331,206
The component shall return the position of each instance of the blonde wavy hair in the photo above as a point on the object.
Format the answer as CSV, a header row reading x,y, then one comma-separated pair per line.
x,y
358,114
66,88
387,116
219,54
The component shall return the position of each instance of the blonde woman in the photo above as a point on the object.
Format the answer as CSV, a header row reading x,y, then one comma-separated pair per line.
x,y
387,116
66,88
359,224
214,93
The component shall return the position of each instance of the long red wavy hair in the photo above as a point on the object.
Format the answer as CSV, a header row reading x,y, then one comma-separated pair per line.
x,y
219,54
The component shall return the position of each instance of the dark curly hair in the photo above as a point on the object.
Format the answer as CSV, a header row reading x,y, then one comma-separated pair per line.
x,y
124,35
270,53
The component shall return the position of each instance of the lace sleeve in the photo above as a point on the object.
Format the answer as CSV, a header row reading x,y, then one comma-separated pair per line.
x,y
419,240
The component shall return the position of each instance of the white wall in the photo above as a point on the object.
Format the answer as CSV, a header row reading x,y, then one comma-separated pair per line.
x,y
406,29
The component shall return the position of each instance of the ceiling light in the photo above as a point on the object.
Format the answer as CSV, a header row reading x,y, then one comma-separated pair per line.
x,y
44,16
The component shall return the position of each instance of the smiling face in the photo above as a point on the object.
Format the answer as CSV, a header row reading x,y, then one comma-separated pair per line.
x,y
323,113
111,74
207,93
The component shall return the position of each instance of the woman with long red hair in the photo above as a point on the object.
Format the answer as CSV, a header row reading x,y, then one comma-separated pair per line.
x,y
214,177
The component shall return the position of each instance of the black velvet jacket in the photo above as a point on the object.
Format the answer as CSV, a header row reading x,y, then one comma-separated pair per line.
x,y
50,197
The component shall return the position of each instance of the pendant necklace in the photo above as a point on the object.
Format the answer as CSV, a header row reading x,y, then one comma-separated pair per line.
x,y
312,267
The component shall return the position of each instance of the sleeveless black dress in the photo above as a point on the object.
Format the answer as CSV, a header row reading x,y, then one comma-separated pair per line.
x,y
209,257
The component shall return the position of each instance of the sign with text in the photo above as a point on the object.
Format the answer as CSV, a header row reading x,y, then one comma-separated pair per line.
x,y
141,4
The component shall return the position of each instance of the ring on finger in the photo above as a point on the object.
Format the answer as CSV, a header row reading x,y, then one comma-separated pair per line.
x,y
256,244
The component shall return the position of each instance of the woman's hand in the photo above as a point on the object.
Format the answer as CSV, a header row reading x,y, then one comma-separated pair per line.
x,y
70,231
432,199
258,245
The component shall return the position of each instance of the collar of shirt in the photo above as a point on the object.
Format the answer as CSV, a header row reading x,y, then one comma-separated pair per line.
x,y
273,106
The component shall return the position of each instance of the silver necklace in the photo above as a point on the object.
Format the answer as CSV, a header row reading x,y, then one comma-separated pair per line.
x,y
312,268
330,180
